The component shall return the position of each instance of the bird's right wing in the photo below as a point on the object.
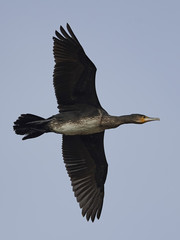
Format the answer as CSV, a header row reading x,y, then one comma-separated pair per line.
x,y
74,72
86,165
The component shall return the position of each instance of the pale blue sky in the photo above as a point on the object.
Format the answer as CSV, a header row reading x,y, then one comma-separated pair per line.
x,y
135,46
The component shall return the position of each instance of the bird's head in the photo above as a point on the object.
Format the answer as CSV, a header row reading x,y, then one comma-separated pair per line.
x,y
139,118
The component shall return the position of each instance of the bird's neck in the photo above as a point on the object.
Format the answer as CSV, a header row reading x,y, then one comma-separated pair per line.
x,y
115,121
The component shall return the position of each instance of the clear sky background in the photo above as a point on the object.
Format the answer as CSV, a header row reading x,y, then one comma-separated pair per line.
x,y
135,46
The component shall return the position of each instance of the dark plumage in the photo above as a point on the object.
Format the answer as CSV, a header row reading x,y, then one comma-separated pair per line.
x,y
81,120
74,73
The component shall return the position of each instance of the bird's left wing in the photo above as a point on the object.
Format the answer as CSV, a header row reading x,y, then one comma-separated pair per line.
x,y
86,165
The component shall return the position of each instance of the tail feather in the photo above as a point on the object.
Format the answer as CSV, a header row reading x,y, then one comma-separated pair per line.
x,y
30,125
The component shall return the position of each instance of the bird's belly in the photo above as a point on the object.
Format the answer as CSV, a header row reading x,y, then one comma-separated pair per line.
x,y
81,127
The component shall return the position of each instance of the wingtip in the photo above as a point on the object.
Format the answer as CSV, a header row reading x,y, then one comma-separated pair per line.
x,y
61,28
68,27
56,33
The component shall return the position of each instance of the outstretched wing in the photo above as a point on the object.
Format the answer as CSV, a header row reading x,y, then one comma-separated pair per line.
x,y
86,165
74,73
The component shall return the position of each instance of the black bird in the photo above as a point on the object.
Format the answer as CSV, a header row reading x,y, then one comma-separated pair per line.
x,y
81,120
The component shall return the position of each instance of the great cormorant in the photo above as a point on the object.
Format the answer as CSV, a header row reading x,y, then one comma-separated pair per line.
x,y
81,120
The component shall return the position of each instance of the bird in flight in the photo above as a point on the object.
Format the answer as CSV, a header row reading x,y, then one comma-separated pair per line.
x,y
81,120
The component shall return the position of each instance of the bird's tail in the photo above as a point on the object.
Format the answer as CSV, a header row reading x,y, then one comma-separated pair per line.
x,y
30,125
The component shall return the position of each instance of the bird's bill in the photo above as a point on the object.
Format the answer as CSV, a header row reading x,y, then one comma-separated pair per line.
x,y
148,119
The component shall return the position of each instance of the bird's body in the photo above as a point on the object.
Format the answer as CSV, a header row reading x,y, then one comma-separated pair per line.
x,y
76,123
81,120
